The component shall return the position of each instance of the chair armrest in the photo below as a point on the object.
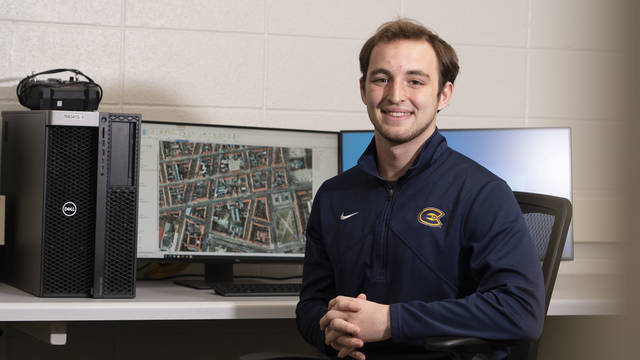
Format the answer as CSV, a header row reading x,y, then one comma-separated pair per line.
x,y
466,344
462,344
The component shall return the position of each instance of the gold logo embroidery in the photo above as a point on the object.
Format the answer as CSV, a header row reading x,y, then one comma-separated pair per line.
x,y
431,217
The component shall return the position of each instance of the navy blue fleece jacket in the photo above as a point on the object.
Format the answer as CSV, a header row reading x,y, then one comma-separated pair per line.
x,y
445,245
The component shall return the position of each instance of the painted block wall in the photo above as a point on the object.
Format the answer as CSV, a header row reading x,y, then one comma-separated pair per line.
x,y
293,64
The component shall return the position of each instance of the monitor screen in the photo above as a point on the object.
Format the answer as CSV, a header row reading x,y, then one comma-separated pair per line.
x,y
534,160
228,193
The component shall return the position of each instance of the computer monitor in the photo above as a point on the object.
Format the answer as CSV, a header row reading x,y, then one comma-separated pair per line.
x,y
534,160
222,195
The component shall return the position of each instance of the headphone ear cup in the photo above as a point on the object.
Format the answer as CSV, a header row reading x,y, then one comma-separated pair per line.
x,y
21,89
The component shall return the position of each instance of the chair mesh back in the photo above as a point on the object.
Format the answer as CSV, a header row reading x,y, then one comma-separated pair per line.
x,y
548,218
540,226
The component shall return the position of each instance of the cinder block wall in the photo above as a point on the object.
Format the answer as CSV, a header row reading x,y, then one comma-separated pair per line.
x,y
293,63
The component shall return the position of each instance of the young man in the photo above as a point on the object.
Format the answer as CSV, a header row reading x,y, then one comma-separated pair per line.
x,y
417,240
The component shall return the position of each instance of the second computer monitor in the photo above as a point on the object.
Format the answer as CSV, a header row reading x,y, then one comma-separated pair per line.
x,y
228,194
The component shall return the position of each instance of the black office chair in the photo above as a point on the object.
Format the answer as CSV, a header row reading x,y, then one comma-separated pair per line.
x,y
548,218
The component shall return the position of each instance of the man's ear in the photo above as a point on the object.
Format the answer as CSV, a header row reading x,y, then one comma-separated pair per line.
x,y
362,93
445,95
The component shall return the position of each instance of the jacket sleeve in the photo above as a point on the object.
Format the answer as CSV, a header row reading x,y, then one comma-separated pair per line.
x,y
318,285
508,302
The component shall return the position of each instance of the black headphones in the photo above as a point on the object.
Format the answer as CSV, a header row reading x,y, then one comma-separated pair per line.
x,y
29,88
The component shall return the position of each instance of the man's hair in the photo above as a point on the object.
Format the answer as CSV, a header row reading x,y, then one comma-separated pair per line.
x,y
407,29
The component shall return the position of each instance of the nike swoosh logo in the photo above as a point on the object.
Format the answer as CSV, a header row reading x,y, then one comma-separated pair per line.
x,y
345,217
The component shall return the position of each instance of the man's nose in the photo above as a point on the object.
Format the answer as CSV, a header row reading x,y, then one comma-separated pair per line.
x,y
395,92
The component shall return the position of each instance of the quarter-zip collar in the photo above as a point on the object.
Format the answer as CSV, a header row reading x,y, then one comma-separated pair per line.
x,y
432,148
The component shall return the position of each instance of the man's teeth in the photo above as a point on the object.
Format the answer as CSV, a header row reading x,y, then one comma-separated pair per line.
x,y
397,113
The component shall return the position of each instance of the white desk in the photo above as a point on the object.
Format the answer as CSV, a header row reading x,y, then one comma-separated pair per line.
x,y
162,300
46,318
155,300
586,295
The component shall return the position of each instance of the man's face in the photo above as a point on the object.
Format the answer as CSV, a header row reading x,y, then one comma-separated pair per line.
x,y
401,90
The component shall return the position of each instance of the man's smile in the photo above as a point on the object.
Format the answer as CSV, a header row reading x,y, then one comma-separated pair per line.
x,y
397,113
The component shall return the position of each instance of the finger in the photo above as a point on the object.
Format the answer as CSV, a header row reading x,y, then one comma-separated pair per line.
x,y
340,301
337,298
327,318
339,327
344,326
337,320
343,303
333,301
362,296
357,355
324,321
330,335
341,349
344,352
349,341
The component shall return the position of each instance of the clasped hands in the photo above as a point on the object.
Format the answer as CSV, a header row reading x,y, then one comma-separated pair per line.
x,y
351,322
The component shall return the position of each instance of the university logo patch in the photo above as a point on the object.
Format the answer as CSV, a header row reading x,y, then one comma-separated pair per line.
x,y
431,217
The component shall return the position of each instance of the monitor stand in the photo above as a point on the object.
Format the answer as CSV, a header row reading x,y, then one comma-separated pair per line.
x,y
213,272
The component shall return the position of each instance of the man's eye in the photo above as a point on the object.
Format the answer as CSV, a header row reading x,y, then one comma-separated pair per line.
x,y
380,80
416,82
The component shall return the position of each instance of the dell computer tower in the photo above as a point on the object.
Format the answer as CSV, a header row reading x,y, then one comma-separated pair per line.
x,y
71,184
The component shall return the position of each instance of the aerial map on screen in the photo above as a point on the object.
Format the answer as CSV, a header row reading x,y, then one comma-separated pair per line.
x,y
233,198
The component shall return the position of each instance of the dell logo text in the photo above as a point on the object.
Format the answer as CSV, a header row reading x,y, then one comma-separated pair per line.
x,y
69,209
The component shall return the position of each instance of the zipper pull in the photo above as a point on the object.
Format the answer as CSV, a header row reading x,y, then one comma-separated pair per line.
x,y
389,191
